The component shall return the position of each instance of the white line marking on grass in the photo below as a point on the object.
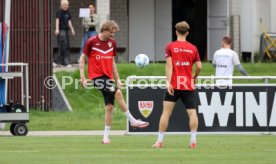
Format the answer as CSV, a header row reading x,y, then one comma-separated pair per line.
x,y
66,133
18,151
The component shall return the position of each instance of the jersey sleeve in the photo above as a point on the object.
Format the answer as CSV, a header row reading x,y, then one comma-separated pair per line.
x,y
58,14
197,58
87,47
214,58
115,49
236,60
168,51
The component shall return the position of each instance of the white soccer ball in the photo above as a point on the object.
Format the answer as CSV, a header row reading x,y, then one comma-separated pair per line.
x,y
141,60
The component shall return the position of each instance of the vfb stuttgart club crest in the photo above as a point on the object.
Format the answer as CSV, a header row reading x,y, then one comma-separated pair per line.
x,y
110,44
145,108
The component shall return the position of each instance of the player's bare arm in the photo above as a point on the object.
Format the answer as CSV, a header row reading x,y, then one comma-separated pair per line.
x,y
169,70
116,75
198,69
81,67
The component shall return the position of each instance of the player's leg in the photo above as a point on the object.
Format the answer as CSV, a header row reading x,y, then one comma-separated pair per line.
x,y
121,102
109,106
58,56
86,36
100,84
193,124
164,122
63,45
108,122
82,45
168,105
189,99
167,112
67,50
108,114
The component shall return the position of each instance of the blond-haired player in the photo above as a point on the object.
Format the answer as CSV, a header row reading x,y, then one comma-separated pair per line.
x,y
101,51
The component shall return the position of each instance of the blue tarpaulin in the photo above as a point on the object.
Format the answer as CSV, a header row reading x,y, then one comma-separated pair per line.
x,y
3,40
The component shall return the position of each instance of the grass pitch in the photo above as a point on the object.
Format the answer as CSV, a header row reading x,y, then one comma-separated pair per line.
x,y
137,150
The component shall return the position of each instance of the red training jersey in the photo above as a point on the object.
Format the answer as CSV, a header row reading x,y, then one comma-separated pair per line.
x,y
100,57
184,55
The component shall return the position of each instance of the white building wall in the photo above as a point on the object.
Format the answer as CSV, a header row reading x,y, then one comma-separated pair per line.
x,y
103,10
235,11
245,21
235,7
252,11
118,10
119,13
163,26
262,12
246,25
273,15
141,28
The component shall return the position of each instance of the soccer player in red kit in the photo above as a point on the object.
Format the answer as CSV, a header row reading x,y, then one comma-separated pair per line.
x,y
100,51
180,58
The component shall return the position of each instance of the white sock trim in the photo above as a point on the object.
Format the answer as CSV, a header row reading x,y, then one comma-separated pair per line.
x,y
193,136
160,136
106,132
129,117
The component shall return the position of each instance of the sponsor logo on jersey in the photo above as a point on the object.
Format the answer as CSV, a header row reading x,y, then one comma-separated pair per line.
x,y
221,66
179,50
99,57
179,63
145,108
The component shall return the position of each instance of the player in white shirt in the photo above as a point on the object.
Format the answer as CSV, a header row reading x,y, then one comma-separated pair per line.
x,y
224,61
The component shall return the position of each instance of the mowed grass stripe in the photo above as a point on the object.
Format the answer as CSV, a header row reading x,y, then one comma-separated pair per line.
x,y
137,149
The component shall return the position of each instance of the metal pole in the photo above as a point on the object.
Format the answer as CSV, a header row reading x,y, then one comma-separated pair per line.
x,y
22,85
7,21
266,80
27,87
